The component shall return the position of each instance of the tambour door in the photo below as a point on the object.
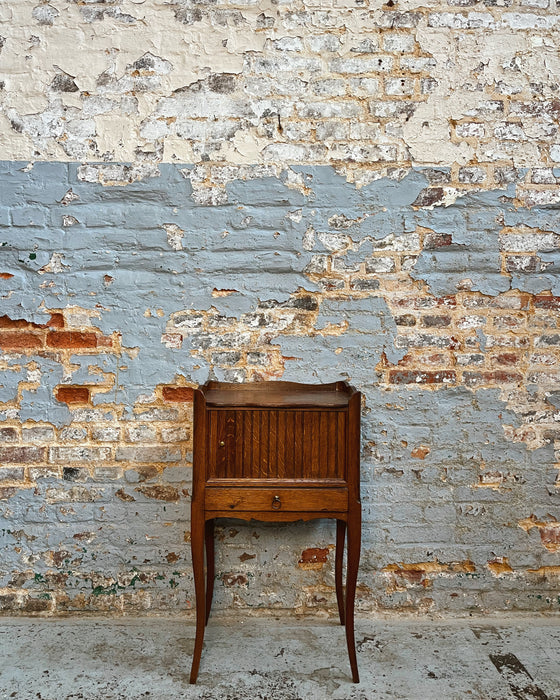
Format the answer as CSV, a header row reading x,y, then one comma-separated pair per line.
x,y
276,444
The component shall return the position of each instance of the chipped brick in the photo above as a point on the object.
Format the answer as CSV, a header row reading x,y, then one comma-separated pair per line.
x,y
71,340
72,394
178,393
397,376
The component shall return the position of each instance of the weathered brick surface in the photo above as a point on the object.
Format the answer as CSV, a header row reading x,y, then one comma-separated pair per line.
x,y
73,394
338,190
179,393
71,339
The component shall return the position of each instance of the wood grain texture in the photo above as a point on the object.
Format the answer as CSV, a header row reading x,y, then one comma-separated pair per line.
x,y
276,452
295,499
340,537
268,444
279,394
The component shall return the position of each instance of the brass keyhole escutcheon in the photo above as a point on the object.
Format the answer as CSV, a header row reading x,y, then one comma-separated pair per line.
x,y
222,443
276,503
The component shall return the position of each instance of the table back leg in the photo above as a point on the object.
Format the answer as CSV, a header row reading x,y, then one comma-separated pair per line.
x,y
209,539
340,537
197,549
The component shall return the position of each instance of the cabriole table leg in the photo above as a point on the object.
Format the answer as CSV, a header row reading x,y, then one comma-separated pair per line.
x,y
197,548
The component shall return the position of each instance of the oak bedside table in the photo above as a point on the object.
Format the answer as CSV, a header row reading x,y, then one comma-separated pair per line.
x,y
276,452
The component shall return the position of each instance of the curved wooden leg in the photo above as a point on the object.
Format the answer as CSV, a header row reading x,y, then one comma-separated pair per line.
x,y
197,549
353,555
340,536
209,540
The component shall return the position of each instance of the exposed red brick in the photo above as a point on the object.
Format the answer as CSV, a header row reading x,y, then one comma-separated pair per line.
x,y
405,320
177,393
550,536
436,321
35,605
8,434
22,455
58,558
245,556
104,342
421,303
7,322
506,358
161,493
500,566
400,376
71,339
448,301
429,196
20,340
414,576
437,240
145,473
496,377
6,275
72,394
56,578
546,301
435,358
83,535
420,452
121,493
314,555
56,321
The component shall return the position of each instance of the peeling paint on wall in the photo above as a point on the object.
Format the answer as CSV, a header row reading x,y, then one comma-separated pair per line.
x,y
315,284
308,191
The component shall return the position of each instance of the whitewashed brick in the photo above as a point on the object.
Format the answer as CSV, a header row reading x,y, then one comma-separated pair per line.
x,y
364,86
324,43
399,86
288,43
329,87
510,132
455,20
416,64
337,109
522,20
380,64
470,130
380,264
527,242
399,43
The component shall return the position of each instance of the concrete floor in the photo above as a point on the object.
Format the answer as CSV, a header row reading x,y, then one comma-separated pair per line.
x,y
279,659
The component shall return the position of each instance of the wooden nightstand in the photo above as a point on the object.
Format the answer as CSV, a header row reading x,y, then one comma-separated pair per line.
x,y
276,451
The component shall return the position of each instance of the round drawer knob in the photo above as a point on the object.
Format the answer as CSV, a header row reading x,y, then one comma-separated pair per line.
x,y
276,503
222,443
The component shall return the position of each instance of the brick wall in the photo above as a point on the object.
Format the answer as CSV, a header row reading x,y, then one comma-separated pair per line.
x,y
308,191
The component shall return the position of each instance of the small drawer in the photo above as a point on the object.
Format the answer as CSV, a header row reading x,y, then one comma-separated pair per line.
x,y
277,499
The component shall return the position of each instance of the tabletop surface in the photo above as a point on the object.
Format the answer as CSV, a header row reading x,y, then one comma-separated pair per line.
x,y
277,395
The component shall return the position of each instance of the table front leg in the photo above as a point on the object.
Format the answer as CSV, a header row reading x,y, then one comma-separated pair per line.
x,y
197,549
209,540
353,555
340,537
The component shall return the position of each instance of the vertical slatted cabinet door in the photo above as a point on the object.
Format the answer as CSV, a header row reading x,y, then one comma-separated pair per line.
x,y
323,445
277,444
222,448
